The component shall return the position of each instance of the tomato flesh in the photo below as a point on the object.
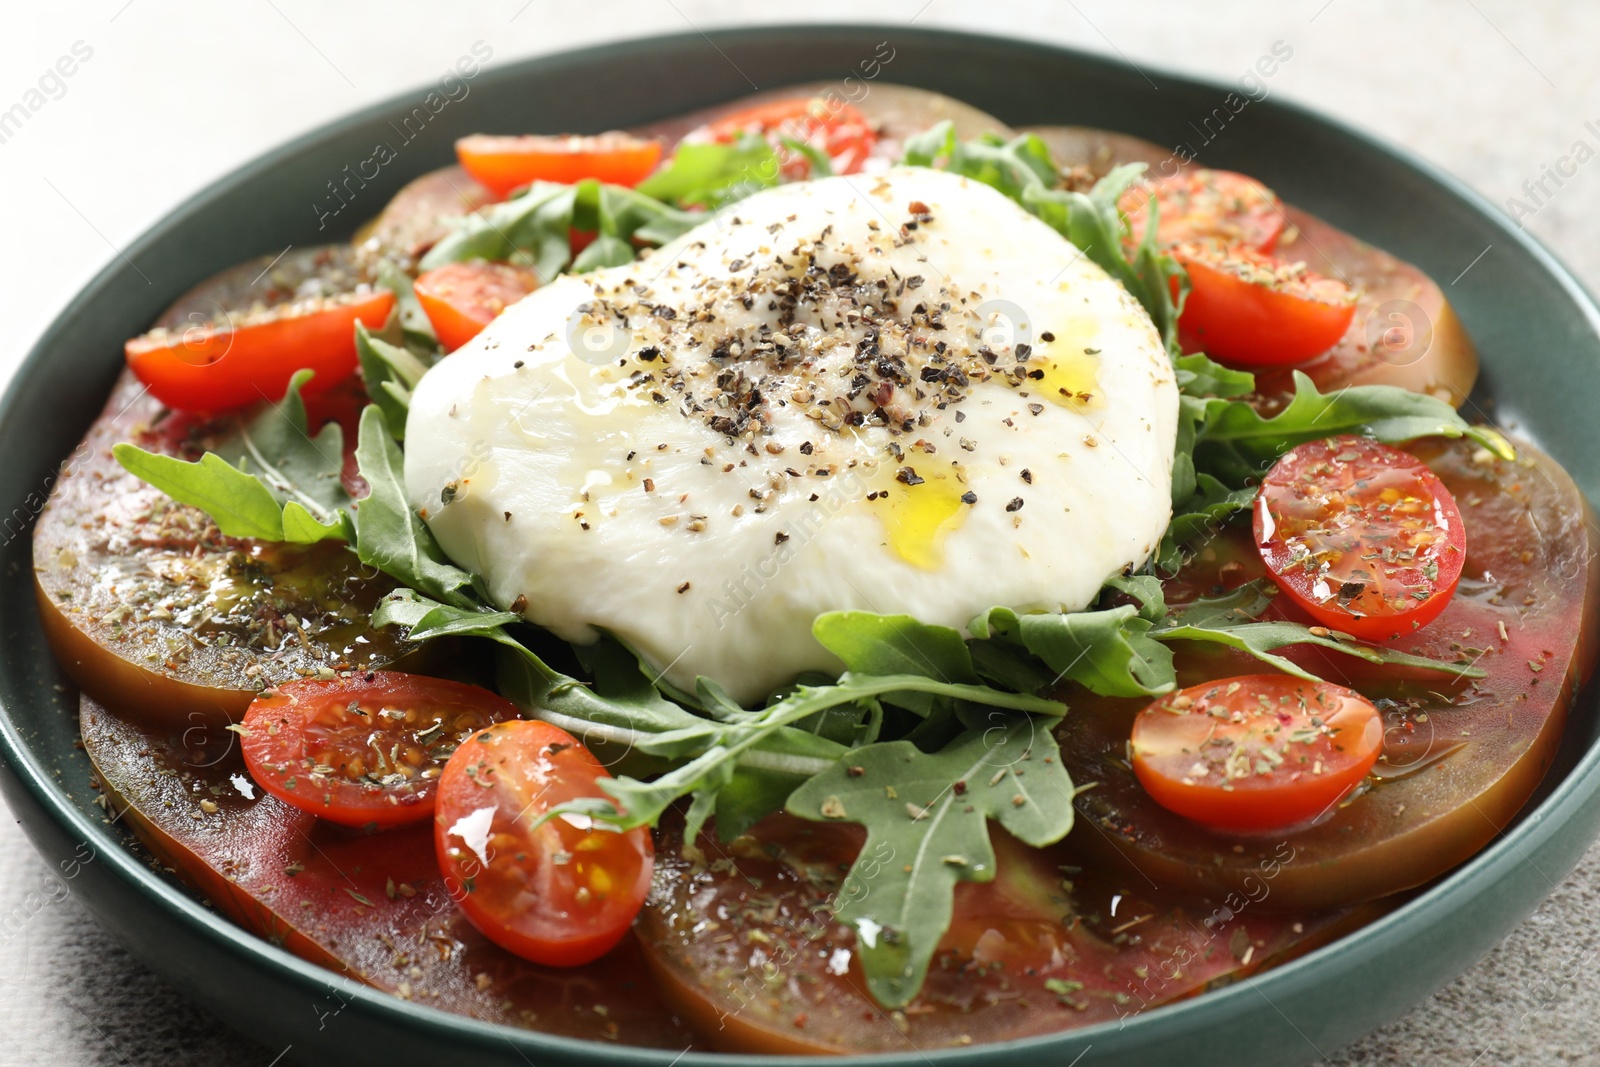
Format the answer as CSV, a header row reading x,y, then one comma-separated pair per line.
x,y
462,298
562,892
1250,309
505,163
1362,536
1256,752
367,750
1203,205
838,130
250,357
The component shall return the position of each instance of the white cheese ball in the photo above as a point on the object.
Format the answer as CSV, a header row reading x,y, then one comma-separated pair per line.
x,y
901,394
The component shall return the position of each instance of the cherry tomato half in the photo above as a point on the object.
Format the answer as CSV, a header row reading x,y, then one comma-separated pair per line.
x,y
367,750
252,356
462,298
1202,205
836,129
1258,752
506,163
1251,309
1363,536
560,893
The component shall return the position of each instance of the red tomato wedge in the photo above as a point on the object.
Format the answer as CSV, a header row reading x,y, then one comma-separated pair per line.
x,y
506,163
1364,537
1206,205
561,892
834,128
462,298
367,750
251,356
1257,752
1248,308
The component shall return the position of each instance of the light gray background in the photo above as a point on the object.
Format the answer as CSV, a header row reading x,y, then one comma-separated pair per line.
x,y
175,94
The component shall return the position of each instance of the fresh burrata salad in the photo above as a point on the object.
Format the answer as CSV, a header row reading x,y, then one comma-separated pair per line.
x,y
813,576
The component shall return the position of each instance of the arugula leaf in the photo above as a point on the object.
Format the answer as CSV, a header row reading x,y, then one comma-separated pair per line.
x,y
390,372
1230,621
1235,442
268,478
237,502
894,644
1012,166
821,165
1108,652
927,828
428,620
389,535
1204,510
1198,375
535,228
711,173
415,328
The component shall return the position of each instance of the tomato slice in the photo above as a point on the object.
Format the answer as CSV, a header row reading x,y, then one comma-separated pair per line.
x,y
367,750
1257,752
838,130
506,163
561,892
1248,308
462,298
1205,205
248,357
1362,536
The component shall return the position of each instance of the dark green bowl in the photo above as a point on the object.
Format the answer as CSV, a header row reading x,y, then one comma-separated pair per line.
x,y
1537,330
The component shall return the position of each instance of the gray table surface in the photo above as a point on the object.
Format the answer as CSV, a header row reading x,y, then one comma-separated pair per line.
x,y
1492,90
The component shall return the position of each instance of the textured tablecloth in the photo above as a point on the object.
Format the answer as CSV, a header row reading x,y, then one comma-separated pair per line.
x,y
163,97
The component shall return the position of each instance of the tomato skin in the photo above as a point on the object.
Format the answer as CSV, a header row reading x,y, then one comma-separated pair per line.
x,y
403,725
1248,309
220,366
842,132
462,298
1198,204
1297,748
1362,536
560,894
504,163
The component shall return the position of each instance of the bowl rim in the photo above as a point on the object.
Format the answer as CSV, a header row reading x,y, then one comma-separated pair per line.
x,y
1575,791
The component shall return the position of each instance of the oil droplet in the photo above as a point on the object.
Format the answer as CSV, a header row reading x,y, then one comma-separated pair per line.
x,y
1071,364
917,518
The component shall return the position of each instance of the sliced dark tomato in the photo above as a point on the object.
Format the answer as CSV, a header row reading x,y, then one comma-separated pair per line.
x,y
146,604
560,891
250,355
831,126
370,907
1257,752
506,163
1461,756
462,298
745,945
1362,536
1206,205
1250,309
367,750
1403,333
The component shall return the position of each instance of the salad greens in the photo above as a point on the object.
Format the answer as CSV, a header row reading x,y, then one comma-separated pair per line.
x,y
945,719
